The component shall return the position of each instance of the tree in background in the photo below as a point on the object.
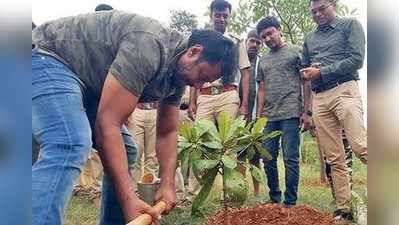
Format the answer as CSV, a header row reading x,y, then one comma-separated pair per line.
x,y
183,21
294,16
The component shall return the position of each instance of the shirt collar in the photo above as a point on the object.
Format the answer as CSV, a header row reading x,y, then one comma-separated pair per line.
x,y
327,27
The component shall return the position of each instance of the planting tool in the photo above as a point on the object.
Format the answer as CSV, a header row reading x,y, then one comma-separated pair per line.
x,y
146,219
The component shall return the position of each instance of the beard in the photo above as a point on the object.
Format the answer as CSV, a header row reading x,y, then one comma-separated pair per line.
x,y
182,75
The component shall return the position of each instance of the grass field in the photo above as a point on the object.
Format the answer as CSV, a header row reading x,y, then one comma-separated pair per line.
x,y
82,212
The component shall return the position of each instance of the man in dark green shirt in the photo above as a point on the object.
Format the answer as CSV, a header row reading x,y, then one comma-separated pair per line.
x,y
89,73
334,53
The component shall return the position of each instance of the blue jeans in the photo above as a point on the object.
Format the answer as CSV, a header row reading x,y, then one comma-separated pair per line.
x,y
62,126
290,148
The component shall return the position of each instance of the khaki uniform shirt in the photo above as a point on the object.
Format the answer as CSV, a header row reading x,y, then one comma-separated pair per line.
x,y
243,61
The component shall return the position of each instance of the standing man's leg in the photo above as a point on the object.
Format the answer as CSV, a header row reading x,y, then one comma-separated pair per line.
x,y
62,130
111,211
271,170
229,102
290,145
205,110
350,114
150,155
329,132
348,157
137,128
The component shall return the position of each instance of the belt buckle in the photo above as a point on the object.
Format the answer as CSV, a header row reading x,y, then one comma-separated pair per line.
x,y
148,105
215,90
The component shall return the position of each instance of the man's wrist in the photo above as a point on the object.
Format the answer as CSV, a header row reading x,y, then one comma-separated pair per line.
x,y
308,113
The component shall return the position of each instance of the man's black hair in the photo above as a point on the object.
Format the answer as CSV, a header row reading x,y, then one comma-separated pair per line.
x,y
269,21
103,7
220,5
334,2
217,49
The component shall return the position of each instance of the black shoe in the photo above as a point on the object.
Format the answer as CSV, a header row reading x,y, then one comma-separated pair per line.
x,y
272,202
345,215
287,206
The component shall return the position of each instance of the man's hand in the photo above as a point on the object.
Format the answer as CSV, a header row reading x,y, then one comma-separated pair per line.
x,y
305,122
192,111
310,73
167,193
140,207
244,112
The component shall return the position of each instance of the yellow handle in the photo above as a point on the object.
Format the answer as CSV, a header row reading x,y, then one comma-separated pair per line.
x,y
146,219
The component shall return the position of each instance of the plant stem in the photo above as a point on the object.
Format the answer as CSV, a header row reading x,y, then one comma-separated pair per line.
x,y
226,215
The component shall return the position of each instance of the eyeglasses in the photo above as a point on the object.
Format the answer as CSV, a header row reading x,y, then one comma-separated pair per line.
x,y
321,9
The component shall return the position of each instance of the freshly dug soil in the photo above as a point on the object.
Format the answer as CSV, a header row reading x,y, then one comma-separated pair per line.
x,y
272,214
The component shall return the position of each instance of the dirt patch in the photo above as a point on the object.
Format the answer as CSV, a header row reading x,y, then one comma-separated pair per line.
x,y
272,214
318,183
314,183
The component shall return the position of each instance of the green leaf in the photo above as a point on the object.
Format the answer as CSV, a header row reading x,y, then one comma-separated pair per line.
x,y
224,123
200,130
202,167
205,164
235,185
212,130
195,155
263,152
237,123
229,162
185,130
183,157
213,145
240,147
183,144
249,125
203,194
259,125
257,174
272,134
250,152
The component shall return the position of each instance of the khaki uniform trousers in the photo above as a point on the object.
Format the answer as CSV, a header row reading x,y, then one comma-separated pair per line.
x,y
334,109
209,107
142,125
91,175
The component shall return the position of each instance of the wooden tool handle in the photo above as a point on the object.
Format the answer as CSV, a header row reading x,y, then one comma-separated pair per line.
x,y
146,219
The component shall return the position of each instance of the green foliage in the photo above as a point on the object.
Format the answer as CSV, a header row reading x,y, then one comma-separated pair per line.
x,y
235,186
204,193
294,16
209,149
309,152
183,21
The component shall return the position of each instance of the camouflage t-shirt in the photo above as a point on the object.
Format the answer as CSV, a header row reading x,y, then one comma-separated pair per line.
x,y
280,72
139,51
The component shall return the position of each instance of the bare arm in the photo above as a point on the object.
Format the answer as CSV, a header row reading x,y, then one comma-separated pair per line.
x,y
245,76
116,104
192,107
260,102
166,145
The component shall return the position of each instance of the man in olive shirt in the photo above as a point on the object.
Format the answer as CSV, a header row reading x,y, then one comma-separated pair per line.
x,y
89,73
280,100
334,52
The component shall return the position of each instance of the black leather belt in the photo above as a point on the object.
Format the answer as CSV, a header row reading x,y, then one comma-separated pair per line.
x,y
331,85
